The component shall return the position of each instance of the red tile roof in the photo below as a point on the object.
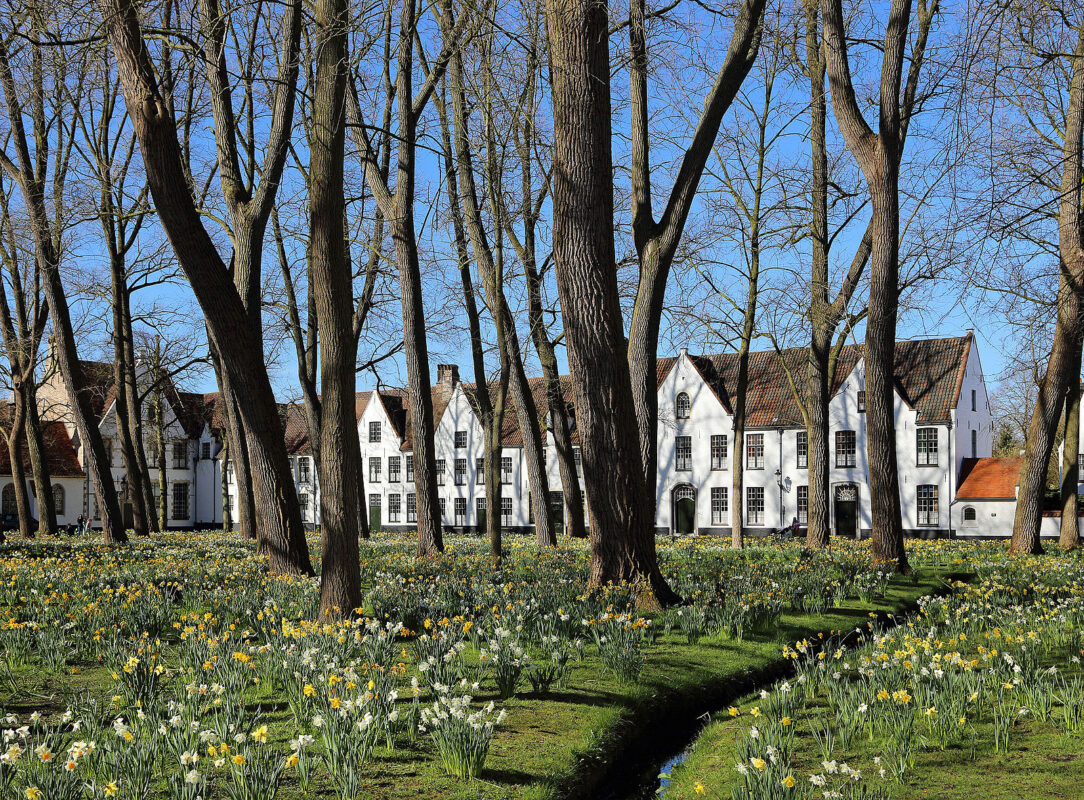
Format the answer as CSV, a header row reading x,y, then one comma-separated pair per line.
x,y
60,456
989,478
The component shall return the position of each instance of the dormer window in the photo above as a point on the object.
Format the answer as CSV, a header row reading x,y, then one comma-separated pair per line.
x,y
861,402
682,406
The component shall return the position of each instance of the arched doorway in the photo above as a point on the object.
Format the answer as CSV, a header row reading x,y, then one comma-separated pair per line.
x,y
845,502
684,499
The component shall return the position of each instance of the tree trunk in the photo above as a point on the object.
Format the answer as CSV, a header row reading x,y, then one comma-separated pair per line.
x,y
622,531
160,452
39,467
224,486
1064,353
340,454
238,457
277,512
737,503
1070,471
134,405
818,518
15,438
1045,416
128,445
880,354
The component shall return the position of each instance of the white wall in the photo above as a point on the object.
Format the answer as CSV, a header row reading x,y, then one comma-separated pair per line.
x,y
73,498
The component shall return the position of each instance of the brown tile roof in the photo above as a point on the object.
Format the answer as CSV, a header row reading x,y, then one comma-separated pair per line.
x,y
60,456
95,379
928,377
989,478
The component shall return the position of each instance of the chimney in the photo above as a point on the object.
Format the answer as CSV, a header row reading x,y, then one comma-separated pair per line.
x,y
447,375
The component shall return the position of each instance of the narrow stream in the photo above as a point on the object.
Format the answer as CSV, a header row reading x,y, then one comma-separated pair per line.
x,y
644,771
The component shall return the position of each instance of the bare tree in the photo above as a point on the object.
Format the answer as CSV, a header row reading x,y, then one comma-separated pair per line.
x,y
22,323
879,155
228,317
489,255
332,288
657,240
397,208
1046,36
31,170
622,529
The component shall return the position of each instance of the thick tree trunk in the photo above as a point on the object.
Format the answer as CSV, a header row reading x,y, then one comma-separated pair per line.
x,y
277,512
1070,472
737,478
15,439
622,530
39,467
340,454
1045,416
884,485
818,519
1064,353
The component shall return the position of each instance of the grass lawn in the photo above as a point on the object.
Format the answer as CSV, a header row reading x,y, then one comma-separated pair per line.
x,y
583,740
1027,648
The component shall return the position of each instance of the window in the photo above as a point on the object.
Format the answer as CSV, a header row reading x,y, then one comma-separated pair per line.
x,y
205,450
846,449
374,469
440,472
480,511
58,498
927,506
443,508
506,469
927,447
412,507
861,402
460,471
802,448
974,404
180,501
7,500
1080,465
180,454
304,470
394,503
303,505
718,452
393,468
974,444
754,505
803,505
374,431
460,440
229,472
460,511
410,469
683,453
577,456
506,511
682,406
970,517
720,510
229,504
754,451
479,471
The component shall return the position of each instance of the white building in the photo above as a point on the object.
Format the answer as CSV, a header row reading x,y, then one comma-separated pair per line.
x,y
943,430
